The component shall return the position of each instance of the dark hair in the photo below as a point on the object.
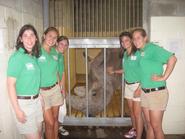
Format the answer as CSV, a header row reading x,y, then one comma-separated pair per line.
x,y
141,30
48,30
36,49
61,38
122,50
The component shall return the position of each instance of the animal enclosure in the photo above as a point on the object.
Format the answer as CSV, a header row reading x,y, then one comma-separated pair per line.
x,y
94,96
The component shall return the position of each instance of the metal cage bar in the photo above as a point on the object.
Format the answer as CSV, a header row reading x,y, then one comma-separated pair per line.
x,y
86,79
95,121
69,82
95,18
104,82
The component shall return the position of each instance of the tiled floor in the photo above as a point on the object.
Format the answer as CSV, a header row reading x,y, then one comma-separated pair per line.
x,y
77,132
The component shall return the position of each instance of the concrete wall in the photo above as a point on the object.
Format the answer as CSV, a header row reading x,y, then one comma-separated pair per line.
x,y
161,8
13,14
165,31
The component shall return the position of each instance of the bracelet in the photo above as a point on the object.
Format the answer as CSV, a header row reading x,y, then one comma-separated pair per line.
x,y
62,91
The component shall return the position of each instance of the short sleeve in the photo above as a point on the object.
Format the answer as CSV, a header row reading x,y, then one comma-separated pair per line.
x,y
14,66
161,54
61,65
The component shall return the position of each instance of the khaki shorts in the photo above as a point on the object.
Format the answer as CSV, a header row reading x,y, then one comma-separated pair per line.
x,y
62,112
156,100
34,116
129,91
52,97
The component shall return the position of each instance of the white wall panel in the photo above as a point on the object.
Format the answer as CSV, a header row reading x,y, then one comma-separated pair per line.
x,y
169,32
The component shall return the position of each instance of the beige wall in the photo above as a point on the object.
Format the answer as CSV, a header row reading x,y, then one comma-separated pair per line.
x,y
13,14
169,32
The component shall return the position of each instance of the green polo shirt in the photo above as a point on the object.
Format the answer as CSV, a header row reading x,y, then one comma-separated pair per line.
x,y
131,67
153,57
60,64
25,69
48,63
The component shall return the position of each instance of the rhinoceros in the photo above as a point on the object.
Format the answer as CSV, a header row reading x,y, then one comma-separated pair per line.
x,y
96,83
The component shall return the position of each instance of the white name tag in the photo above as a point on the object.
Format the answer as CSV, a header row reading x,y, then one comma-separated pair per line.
x,y
142,53
55,57
42,58
133,58
29,66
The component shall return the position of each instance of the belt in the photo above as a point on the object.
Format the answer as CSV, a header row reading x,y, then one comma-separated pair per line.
x,y
49,87
28,97
130,83
148,90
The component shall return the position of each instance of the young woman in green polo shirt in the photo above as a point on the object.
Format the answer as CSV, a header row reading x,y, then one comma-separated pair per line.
x,y
154,95
49,88
62,45
23,83
131,76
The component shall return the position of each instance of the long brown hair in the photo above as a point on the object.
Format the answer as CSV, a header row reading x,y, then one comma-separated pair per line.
x,y
48,30
122,50
36,49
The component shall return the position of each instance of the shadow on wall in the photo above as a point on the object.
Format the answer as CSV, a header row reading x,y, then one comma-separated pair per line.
x,y
12,30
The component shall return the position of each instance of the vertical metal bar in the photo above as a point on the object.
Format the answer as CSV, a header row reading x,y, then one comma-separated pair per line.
x,y
66,16
60,17
105,85
133,3
87,96
138,14
77,18
109,19
58,14
141,13
105,18
125,14
117,17
69,19
121,15
45,13
73,18
93,11
69,80
122,96
81,18
101,17
113,18
85,18
54,13
63,13
89,17
97,21
129,13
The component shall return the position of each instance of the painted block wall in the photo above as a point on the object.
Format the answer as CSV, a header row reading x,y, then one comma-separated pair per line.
x,y
13,14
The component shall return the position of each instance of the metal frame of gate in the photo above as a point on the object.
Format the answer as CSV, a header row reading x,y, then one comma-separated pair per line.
x,y
95,121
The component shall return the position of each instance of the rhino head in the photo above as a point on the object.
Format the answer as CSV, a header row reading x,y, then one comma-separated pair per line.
x,y
96,83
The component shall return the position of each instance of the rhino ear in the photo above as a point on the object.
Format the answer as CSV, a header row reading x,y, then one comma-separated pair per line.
x,y
88,57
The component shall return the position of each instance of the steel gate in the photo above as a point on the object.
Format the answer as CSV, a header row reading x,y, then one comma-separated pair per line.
x,y
86,120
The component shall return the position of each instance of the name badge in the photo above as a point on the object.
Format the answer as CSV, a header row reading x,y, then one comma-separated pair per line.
x,y
42,58
142,53
30,66
55,58
133,58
